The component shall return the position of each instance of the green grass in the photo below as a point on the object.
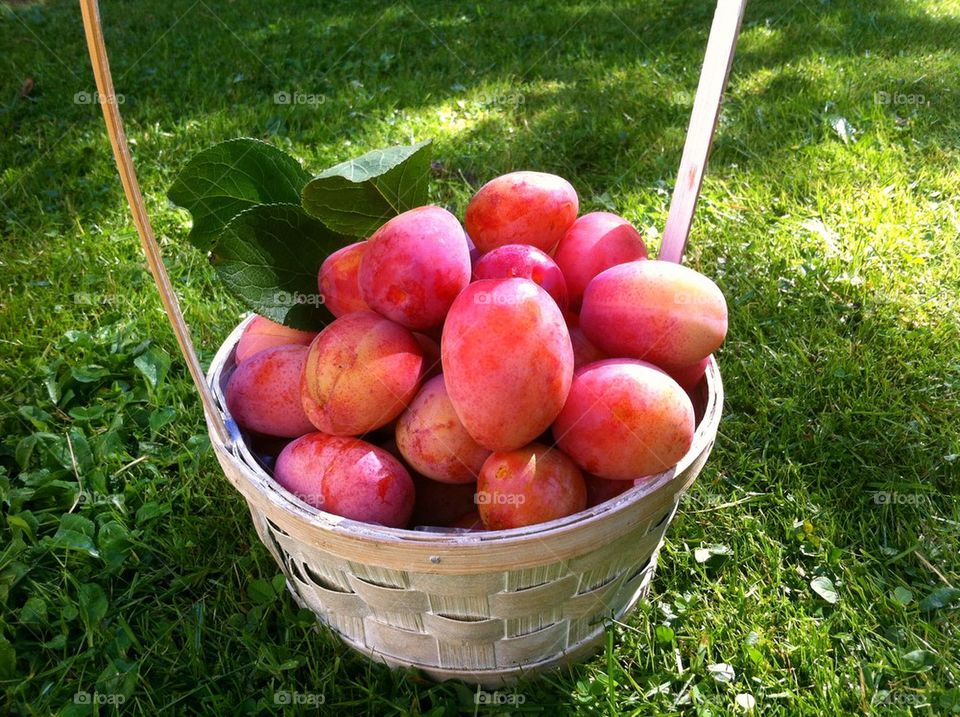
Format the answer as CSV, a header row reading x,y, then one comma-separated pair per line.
x,y
130,568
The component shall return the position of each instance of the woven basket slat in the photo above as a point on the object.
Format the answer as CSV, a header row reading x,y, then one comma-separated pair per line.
x,y
446,628
547,641
479,584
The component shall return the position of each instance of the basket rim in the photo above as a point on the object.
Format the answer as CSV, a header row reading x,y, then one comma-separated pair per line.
x,y
261,484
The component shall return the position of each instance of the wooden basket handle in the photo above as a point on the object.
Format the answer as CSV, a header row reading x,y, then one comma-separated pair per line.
x,y
128,177
703,123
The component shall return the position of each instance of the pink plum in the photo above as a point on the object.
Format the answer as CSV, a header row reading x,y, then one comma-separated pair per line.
x,y
262,333
361,372
414,267
656,311
595,242
624,419
347,477
532,208
526,262
263,393
507,361
338,282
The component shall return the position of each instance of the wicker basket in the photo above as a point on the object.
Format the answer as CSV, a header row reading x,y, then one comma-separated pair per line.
x,y
485,607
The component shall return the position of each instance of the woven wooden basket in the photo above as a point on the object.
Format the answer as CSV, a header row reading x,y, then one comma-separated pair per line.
x,y
485,607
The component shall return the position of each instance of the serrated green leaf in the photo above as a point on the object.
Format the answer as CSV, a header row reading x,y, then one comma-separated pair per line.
x,y
261,592
269,256
34,612
357,196
228,178
939,598
8,660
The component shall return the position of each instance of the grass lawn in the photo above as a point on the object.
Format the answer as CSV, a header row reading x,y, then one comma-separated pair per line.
x,y
830,216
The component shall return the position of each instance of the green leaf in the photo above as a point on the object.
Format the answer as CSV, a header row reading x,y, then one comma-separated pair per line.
x,y
153,364
151,510
824,588
902,595
269,256
224,180
8,660
34,612
93,604
939,598
262,592
358,196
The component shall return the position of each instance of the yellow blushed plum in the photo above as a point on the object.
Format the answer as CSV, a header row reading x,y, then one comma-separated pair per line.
x,y
347,477
361,372
433,440
656,311
624,419
530,485
338,282
262,333
263,392
532,208
507,361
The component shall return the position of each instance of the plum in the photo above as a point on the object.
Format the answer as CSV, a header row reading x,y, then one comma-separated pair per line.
x,y
338,280
433,440
596,241
656,311
347,477
262,333
361,372
527,262
584,352
689,376
441,504
263,392
532,208
507,361
600,490
414,267
624,419
529,485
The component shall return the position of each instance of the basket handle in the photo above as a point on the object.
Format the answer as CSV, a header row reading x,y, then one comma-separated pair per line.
x,y
703,123
131,187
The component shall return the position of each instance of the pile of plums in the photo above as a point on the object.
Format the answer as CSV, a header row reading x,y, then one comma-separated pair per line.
x,y
510,374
